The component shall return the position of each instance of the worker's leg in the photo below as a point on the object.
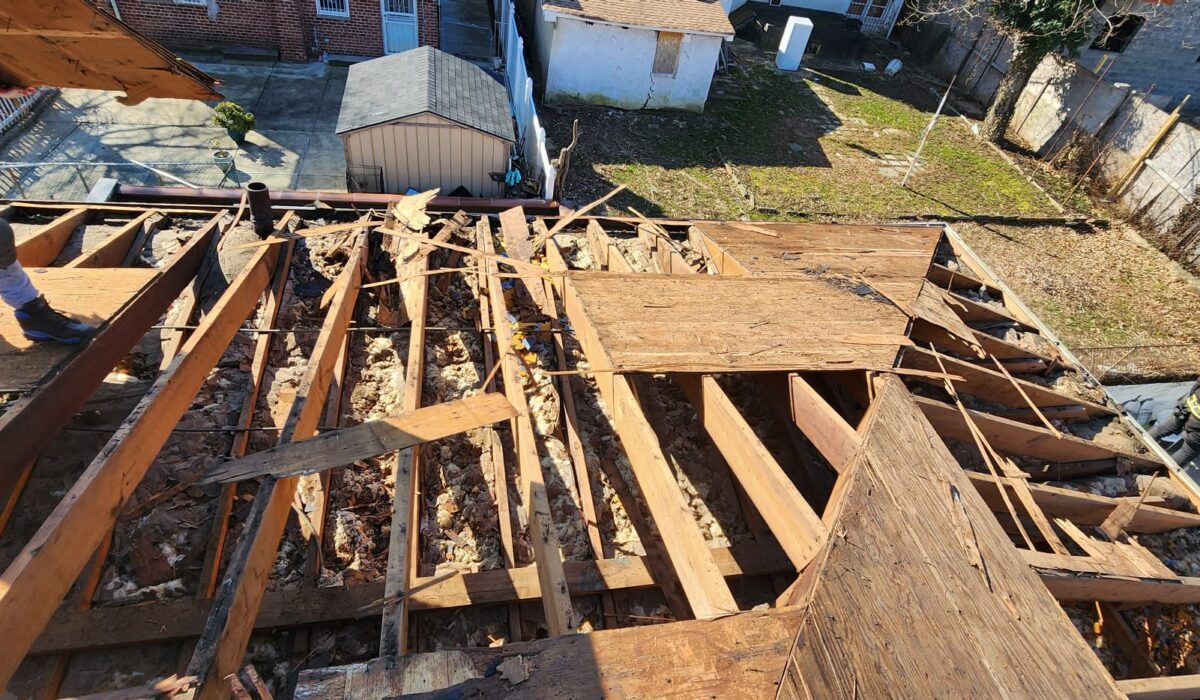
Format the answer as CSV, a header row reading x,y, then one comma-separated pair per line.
x,y
1188,447
37,320
1169,425
15,287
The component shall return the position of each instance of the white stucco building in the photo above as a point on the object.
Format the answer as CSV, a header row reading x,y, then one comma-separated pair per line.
x,y
633,54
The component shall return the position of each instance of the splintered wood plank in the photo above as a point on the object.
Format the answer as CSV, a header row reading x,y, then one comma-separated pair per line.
x,y
791,519
227,631
1021,439
1084,508
994,386
43,246
893,256
556,598
740,656
1116,580
685,546
366,440
92,296
161,621
713,324
113,250
942,603
515,231
39,577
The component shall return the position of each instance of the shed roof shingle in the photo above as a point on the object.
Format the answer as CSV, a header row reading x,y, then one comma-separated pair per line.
x,y
424,80
681,15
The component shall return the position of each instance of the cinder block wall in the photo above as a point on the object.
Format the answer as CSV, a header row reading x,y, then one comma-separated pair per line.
x,y
292,27
1164,52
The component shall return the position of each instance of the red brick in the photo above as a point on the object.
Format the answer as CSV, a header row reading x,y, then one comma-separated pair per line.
x,y
291,27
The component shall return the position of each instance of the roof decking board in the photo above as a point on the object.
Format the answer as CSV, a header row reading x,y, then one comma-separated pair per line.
x,y
649,322
705,16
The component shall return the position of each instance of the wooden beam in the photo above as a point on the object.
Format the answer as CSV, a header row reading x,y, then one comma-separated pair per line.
x,y
1084,508
157,622
517,243
946,278
43,572
112,252
1021,439
685,546
556,600
924,333
404,538
995,387
1163,688
834,438
790,518
227,630
1085,579
366,440
724,262
41,249
974,312
31,423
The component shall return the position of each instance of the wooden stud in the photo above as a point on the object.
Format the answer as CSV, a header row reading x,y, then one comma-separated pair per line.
x,y
556,601
705,590
220,649
834,438
44,246
113,251
791,519
42,573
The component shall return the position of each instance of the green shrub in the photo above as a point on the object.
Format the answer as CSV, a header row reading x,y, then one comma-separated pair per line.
x,y
232,116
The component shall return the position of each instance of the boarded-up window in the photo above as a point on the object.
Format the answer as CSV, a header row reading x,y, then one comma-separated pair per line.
x,y
666,53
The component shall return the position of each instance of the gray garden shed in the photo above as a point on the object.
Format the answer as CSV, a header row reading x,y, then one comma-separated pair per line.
x,y
422,119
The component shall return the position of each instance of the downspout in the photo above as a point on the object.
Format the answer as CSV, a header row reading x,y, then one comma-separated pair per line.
x,y
116,10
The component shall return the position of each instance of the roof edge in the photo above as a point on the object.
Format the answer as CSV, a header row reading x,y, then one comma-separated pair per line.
x,y
556,15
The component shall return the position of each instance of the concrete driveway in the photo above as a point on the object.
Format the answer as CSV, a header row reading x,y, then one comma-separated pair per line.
x,y
83,135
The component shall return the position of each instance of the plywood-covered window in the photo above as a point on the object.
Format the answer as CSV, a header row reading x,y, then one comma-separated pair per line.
x,y
666,53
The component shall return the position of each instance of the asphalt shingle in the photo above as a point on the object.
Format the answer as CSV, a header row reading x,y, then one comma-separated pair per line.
x,y
678,15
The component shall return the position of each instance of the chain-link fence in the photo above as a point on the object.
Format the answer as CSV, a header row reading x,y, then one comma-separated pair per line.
x,y
73,180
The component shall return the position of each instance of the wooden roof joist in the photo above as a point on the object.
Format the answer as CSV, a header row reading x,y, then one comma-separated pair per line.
x,y
990,385
227,631
1082,579
41,575
156,622
1021,439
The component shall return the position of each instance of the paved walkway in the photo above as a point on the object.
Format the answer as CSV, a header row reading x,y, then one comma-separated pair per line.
x,y
292,146
467,30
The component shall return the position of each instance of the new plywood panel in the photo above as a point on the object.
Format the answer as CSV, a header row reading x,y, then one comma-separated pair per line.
x,y
698,323
91,295
938,602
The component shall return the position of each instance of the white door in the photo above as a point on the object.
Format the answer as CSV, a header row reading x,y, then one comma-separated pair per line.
x,y
399,25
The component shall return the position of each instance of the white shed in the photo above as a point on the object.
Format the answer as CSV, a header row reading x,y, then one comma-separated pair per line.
x,y
633,54
422,119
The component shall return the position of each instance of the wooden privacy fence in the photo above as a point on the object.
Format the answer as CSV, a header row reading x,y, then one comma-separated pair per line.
x,y
1145,157
531,137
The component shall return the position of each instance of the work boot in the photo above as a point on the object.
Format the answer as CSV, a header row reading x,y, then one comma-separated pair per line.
x,y
41,323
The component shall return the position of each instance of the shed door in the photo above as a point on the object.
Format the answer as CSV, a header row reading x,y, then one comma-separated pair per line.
x,y
399,25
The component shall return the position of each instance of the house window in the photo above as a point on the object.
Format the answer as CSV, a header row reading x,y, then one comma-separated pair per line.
x,y
867,8
201,3
666,53
1118,32
333,8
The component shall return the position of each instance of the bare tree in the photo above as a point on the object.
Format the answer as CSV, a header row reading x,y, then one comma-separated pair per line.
x,y
1036,29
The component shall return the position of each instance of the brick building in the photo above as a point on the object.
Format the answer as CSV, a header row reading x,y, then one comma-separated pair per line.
x,y
300,30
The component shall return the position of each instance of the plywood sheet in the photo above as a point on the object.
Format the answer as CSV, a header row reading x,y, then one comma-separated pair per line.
x,y
701,323
921,594
895,257
91,295
74,43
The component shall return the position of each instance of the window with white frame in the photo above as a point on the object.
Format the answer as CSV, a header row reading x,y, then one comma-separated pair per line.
x,y
201,3
333,8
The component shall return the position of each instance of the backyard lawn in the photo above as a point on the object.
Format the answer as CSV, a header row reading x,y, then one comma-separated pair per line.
x,y
833,146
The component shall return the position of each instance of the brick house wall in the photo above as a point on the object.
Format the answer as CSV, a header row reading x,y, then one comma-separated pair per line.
x,y
292,27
